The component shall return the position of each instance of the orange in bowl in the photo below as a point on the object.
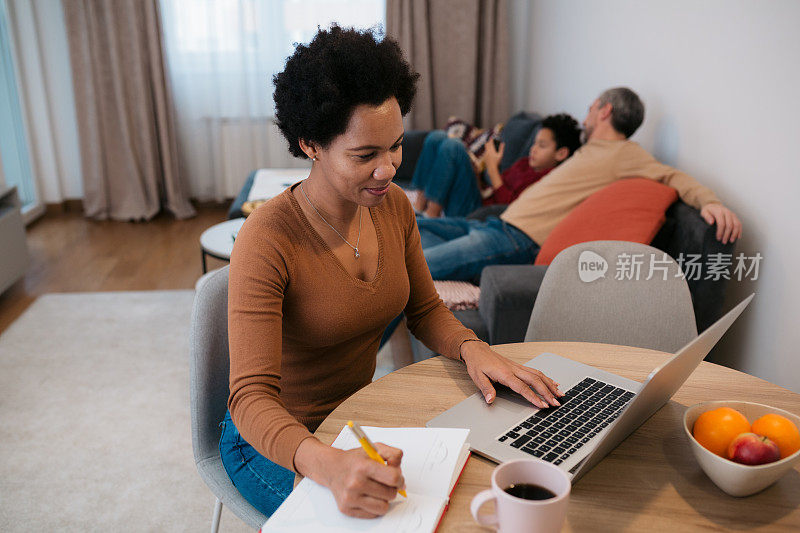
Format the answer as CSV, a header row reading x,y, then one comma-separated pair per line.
x,y
779,430
715,429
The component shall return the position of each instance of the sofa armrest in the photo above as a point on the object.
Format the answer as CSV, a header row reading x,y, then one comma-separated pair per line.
x,y
235,211
507,296
685,234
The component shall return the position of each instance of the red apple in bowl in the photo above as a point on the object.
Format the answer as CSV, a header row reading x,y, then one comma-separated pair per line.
x,y
752,449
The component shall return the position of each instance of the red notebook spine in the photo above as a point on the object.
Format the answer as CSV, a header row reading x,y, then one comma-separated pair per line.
x,y
447,506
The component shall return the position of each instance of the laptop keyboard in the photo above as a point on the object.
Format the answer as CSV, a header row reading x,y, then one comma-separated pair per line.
x,y
555,433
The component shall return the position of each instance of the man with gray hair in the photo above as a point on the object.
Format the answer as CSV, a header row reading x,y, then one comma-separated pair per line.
x,y
627,110
458,249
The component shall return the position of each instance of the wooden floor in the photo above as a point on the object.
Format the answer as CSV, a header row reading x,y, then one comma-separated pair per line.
x,y
70,253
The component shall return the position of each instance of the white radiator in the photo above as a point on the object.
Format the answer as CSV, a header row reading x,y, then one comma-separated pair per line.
x,y
242,145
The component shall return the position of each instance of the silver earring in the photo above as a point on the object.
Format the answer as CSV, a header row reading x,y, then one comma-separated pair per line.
x,y
314,158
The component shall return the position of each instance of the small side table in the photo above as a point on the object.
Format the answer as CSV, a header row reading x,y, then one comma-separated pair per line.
x,y
14,259
217,241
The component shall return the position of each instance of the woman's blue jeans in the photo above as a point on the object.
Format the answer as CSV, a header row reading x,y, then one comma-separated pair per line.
x,y
459,248
262,483
444,173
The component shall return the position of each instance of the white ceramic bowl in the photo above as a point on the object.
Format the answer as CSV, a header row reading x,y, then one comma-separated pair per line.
x,y
734,478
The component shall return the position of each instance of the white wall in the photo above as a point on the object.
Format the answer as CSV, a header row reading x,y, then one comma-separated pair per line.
x,y
47,97
720,84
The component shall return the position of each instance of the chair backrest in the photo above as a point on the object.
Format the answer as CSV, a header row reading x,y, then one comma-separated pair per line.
x,y
592,292
209,364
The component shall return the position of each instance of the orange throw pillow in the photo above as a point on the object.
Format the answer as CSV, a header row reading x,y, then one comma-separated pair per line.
x,y
630,209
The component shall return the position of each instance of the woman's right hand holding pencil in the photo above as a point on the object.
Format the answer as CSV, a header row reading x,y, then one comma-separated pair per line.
x,y
361,486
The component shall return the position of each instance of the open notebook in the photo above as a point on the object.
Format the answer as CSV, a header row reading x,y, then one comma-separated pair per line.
x,y
433,459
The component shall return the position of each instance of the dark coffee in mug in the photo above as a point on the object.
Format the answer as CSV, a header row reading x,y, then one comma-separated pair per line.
x,y
529,491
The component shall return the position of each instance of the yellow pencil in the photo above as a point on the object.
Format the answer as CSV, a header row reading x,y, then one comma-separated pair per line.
x,y
369,447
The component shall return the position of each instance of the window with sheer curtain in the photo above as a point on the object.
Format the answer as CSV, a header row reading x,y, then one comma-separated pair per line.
x,y
221,55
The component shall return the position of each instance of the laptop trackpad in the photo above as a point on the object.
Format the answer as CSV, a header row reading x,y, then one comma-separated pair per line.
x,y
508,400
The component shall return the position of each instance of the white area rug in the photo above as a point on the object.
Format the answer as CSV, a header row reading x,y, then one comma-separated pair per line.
x,y
94,417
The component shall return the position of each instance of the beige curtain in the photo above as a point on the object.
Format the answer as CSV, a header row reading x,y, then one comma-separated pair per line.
x,y
124,110
460,47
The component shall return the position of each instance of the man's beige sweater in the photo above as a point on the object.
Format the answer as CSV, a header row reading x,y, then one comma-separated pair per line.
x,y
596,164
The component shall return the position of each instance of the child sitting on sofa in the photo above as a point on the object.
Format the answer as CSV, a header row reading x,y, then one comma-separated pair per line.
x,y
446,181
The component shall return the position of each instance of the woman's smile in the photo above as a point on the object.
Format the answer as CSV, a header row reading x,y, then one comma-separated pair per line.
x,y
379,191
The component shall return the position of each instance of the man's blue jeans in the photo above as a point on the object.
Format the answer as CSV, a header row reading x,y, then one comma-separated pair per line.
x,y
262,483
444,173
459,248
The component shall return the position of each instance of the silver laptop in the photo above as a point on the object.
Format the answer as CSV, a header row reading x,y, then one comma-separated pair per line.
x,y
598,411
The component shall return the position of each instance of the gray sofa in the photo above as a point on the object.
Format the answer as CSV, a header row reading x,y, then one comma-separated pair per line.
x,y
508,292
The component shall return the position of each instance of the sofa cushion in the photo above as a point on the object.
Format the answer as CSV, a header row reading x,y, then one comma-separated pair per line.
x,y
517,132
630,209
412,147
471,319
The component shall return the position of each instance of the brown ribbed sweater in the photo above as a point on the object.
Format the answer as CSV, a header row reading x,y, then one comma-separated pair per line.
x,y
596,164
303,333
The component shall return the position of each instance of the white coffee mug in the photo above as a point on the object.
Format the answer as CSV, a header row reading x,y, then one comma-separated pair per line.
x,y
518,515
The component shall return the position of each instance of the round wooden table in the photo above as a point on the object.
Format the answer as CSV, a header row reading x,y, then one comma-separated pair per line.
x,y
650,482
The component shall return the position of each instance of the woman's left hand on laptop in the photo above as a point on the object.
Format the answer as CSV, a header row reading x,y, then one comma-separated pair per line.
x,y
485,366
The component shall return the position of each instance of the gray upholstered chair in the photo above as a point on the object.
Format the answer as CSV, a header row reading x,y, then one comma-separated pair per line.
x,y
208,371
575,303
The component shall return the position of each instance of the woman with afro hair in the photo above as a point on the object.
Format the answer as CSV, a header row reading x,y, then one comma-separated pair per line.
x,y
319,271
